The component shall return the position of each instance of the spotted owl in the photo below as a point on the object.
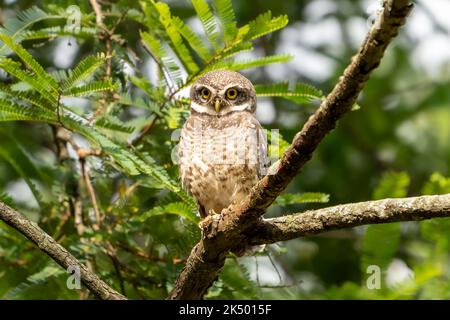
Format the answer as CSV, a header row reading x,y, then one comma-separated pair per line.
x,y
223,148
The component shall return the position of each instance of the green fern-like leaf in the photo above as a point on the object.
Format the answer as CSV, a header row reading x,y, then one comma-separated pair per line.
x,y
16,26
176,41
57,31
163,59
112,123
50,271
259,62
20,161
432,230
277,144
84,69
301,93
90,88
14,69
44,78
208,21
138,102
28,96
263,24
155,94
231,51
148,165
392,185
192,39
10,111
227,18
132,163
8,200
173,117
437,184
177,208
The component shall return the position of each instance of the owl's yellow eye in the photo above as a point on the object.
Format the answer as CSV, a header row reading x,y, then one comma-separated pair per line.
x,y
205,94
232,94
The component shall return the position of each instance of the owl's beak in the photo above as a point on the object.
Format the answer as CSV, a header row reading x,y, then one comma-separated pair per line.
x,y
217,105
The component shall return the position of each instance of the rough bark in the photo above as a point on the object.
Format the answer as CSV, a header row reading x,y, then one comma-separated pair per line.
x,y
350,215
227,231
61,256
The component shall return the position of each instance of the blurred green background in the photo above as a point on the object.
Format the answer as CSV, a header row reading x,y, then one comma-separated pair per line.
x,y
397,144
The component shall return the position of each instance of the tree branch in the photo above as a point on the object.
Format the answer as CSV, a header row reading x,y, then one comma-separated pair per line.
x,y
350,215
48,245
222,233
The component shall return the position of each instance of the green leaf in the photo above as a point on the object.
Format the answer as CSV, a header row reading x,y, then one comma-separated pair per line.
x,y
113,123
301,93
173,117
155,94
28,96
10,111
177,208
356,107
231,51
176,41
138,102
14,27
44,78
146,164
8,200
192,39
132,163
264,24
434,230
277,144
438,184
298,198
57,31
163,59
227,18
208,21
259,62
246,64
22,164
84,69
50,271
380,245
90,88
392,185
15,70
236,280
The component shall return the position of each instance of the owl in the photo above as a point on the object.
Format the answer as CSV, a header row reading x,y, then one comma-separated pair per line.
x,y
223,148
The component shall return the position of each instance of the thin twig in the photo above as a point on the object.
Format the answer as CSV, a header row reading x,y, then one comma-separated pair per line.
x,y
91,192
280,279
144,131
98,12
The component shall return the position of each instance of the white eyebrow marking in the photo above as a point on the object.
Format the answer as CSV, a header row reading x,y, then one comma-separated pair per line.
x,y
203,109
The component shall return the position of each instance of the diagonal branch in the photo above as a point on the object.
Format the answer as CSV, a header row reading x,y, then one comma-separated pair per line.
x,y
350,215
48,245
220,234
337,103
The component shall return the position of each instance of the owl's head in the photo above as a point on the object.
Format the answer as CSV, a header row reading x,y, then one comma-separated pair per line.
x,y
221,92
